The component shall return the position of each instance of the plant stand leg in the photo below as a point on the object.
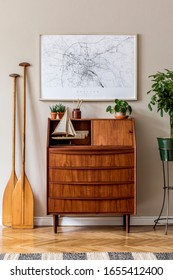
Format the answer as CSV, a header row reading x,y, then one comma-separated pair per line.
x,y
166,189
166,184
167,214
163,203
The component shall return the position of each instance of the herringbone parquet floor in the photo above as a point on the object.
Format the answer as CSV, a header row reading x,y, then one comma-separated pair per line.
x,y
86,239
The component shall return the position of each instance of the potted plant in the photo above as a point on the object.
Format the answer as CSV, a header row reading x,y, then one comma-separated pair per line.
x,y
53,112
162,97
60,110
121,109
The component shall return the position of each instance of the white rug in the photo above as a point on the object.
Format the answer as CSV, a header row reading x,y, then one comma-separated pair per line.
x,y
89,256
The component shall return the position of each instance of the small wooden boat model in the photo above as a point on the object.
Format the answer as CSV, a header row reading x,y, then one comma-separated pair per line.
x,y
65,129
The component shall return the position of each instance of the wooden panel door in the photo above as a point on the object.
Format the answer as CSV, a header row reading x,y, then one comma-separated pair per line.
x,y
112,132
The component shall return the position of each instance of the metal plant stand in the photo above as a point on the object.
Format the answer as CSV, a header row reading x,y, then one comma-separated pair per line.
x,y
166,189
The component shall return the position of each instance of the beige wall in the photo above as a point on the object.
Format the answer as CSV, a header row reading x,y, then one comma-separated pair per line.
x,y
22,21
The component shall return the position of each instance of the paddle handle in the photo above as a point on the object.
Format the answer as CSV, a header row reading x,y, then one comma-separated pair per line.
x,y
14,76
24,65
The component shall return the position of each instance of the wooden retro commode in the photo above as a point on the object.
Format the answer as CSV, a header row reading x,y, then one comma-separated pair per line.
x,y
95,174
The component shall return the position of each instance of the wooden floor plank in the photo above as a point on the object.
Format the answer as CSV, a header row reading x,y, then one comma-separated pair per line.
x,y
86,239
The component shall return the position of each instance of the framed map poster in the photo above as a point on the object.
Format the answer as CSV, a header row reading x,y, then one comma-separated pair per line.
x,y
88,67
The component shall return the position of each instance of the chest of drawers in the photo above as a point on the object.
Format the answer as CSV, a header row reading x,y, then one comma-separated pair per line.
x,y
95,175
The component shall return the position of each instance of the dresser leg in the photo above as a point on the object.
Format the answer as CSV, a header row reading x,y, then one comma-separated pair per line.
x,y
126,222
55,223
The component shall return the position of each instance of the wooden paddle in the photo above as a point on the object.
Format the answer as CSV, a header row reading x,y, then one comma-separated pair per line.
x,y
23,200
8,192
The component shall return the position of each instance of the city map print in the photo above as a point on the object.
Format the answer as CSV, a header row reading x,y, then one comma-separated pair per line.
x,y
88,67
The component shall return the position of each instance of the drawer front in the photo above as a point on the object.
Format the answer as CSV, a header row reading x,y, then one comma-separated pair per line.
x,y
91,191
120,206
88,175
90,160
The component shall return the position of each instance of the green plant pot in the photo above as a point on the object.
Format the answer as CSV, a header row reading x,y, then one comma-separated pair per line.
x,y
165,148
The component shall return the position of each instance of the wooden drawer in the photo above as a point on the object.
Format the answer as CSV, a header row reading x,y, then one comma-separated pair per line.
x,y
90,175
125,206
91,191
90,160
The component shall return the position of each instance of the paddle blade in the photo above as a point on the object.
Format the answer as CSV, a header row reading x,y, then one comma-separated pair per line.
x,y
7,200
23,205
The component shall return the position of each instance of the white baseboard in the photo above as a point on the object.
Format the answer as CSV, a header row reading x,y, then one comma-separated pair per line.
x,y
93,221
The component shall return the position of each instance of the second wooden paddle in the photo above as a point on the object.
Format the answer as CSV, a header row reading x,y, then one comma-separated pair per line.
x,y
23,200
7,197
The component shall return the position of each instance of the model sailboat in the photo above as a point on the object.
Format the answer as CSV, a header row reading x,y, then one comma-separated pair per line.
x,y
65,129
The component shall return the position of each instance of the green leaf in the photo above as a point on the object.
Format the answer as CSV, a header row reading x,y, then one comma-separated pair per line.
x,y
149,106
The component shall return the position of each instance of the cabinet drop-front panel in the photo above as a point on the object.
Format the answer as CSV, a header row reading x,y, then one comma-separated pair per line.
x,y
95,175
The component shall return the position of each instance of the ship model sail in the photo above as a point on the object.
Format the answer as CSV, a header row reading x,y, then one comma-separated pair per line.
x,y
65,129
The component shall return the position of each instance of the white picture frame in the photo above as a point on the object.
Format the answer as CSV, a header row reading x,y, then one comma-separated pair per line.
x,y
88,67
